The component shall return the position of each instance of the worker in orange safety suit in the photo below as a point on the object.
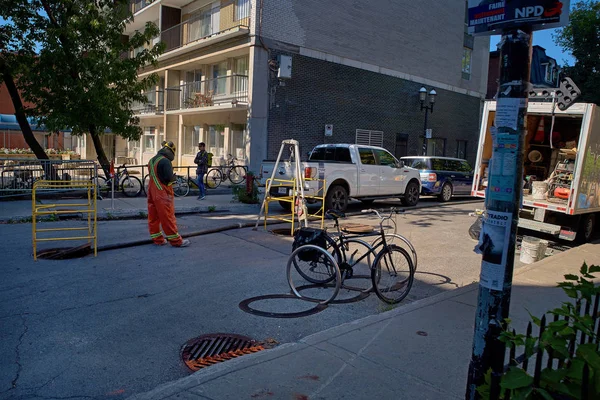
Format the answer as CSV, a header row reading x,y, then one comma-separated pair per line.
x,y
161,207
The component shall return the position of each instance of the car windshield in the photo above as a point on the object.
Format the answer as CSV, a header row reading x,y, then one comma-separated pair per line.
x,y
418,163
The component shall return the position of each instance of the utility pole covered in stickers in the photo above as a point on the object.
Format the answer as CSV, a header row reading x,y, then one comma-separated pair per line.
x,y
515,20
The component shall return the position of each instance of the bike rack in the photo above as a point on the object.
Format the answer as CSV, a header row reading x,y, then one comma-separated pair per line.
x,y
88,208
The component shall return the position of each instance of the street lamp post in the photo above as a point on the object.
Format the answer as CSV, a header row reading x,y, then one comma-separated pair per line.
x,y
422,97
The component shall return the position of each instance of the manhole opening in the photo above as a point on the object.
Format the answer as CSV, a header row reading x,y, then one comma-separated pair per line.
x,y
207,350
65,253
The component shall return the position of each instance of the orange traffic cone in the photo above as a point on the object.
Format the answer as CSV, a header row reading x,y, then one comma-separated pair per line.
x,y
540,133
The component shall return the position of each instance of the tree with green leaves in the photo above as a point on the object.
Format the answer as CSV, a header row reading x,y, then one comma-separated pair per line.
x,y
68,58
581,38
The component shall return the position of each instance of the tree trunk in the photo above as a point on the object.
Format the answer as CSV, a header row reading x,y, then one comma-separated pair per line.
x,y
104,163
37,149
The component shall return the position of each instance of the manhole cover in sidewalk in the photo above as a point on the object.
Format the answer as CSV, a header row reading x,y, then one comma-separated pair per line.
x,y
213,348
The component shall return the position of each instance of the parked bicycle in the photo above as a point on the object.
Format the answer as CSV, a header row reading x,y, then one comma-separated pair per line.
x,y
181,187
324,261
235,173
129,185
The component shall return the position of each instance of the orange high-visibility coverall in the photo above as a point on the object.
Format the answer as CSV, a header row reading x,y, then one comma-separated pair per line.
x,y
161,207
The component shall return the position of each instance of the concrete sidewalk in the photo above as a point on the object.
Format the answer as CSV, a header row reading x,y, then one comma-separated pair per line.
x,y
124,207
418,351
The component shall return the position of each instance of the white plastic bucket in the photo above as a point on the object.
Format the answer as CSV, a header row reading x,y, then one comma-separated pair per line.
x,y
542,249
538,190
530,249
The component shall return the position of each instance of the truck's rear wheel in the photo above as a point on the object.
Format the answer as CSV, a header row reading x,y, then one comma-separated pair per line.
x,y
411,194
587,226
337,198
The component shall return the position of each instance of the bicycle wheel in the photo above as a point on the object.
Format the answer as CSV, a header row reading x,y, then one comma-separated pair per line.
x,y
237,174
214,177
131,186
319,271
102,187
320,256
358,260
401,241
392,274
181,187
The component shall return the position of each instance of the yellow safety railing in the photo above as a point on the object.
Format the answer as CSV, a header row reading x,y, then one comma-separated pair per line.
x,y
88,208
291,198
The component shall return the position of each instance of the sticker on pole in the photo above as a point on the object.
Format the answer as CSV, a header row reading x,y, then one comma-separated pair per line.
x,y
488,17
494,240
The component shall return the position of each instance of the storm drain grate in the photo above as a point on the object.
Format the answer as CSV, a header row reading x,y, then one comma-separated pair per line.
x,y
210,349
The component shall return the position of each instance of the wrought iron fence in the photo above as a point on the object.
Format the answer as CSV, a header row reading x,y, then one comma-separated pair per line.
x,y
209,92
155,104
17,176
539,359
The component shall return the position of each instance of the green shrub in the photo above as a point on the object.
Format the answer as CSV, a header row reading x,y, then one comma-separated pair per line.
x,y
564,381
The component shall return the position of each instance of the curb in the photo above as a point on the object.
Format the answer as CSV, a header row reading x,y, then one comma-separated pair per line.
x,y
239,225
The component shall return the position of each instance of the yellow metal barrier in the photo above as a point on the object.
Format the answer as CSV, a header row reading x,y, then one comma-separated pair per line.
x,y
88,208
291,198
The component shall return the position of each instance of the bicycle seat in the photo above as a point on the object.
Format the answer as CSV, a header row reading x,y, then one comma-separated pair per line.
x,y
333,214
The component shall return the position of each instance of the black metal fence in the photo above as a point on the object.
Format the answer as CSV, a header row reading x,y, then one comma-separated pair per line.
x,y
17,176
537,359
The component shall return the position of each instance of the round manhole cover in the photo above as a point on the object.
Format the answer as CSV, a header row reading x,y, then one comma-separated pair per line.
x,y
213,348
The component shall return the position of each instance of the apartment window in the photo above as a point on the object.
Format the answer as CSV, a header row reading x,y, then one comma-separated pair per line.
x,y
550,72
219,75
369,138
133,150
466,63
461,149
242,9
203,23
436,147
191,138
240,70
238,142
149,138
216,140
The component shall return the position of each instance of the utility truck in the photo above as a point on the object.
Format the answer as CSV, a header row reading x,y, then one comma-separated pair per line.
x,y
561,179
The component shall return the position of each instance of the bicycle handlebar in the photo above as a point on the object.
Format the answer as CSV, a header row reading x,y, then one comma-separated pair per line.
x,y
372,211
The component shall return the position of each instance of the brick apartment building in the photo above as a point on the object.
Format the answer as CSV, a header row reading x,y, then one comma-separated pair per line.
x,y
242,75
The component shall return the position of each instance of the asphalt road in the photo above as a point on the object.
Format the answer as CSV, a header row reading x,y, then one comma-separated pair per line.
x,y
112,326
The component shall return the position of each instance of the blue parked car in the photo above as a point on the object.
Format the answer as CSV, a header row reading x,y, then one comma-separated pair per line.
x,y
442,176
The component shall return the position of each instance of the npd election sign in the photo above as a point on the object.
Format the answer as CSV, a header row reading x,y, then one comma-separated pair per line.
x,y
489,17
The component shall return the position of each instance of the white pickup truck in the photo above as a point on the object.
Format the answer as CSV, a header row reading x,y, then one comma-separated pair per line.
x,y
354,171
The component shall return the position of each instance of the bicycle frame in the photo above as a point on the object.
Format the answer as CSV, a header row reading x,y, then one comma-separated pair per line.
x,y
374,249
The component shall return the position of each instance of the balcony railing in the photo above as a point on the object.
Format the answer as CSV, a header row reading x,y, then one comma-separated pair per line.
x,y
155,104
232,89
197,28
137,5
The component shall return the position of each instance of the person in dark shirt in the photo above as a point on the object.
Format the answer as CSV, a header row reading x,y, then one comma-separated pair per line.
x,y
202,161
161,206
